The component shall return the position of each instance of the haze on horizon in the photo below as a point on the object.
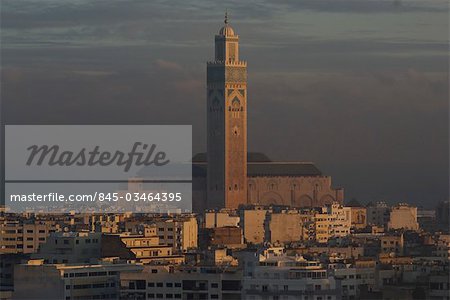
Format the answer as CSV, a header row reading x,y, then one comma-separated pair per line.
x,y
360,87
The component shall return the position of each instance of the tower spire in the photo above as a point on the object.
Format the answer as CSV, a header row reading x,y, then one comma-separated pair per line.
x,y
226,17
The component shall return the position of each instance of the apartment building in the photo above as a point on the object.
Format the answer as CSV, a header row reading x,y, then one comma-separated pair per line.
x,y
180,232
378,214
22,236
138,248
252,222
334,221
70,247
37,280
167,282
277,276
282,227
222,218
403,216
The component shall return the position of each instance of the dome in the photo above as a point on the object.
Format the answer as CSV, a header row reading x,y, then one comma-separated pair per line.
x,y
226,30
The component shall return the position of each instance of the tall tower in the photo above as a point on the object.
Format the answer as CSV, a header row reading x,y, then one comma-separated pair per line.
x,y
227,123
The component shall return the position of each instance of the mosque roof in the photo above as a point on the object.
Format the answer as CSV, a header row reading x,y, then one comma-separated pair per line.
x,y
258,164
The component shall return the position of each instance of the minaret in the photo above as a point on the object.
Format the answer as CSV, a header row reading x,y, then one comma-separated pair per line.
x,y
226,123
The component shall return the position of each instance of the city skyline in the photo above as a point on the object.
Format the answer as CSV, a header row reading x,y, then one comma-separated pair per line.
x,y
371,112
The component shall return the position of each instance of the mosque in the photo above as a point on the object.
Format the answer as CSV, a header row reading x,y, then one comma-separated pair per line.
x,y
227,176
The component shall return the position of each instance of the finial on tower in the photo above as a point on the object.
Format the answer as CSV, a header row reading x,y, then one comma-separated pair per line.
x,y
226,30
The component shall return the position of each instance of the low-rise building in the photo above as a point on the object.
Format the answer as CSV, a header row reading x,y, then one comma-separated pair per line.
x,y
139,248
70,247
403,216
284,277
378,214
284,227
165,282
392,244
358,217
252,222
222,218
20,235
36,280
334,221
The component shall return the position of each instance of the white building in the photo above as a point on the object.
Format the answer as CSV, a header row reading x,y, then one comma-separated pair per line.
x,y
403,216
334,221
277,276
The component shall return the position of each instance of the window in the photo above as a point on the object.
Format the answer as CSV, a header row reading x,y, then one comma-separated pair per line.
x,y
231,285
140,284
151,284
177,284
214,285
151,296
169,284
159,284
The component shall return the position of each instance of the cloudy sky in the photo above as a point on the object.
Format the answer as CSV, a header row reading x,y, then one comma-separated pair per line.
x,y
360,87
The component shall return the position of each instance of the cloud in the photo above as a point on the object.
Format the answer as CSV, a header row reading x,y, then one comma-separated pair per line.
x,y
168,65
358,86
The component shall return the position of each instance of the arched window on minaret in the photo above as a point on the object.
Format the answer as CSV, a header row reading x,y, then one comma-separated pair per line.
x,y
235,107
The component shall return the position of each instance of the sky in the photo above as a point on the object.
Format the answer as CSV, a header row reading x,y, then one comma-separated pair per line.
x,y
359,87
